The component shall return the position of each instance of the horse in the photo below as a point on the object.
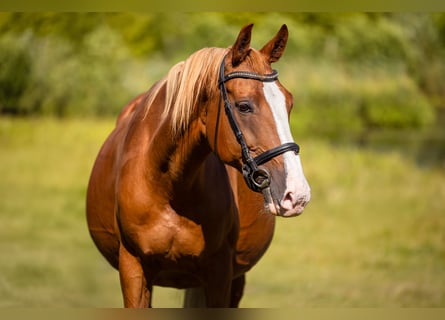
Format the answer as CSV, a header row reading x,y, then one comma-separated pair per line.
x,y
185,195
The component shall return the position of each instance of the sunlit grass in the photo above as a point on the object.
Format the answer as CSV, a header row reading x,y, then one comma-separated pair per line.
x,y
372,236
47,256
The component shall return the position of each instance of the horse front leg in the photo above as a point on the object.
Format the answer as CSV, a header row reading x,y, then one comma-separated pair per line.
x,y
237,290
219,279
135,290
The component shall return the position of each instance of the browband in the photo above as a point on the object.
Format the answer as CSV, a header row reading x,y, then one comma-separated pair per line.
x,y
250,75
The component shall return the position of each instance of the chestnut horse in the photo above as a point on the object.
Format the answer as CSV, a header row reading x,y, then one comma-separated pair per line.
x,y
183,194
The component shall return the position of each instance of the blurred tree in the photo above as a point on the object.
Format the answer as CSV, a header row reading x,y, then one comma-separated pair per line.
x,y
72,26
426,52
15,70
92,63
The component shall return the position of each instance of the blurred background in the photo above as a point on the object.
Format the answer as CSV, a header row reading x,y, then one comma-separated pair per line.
x,y
369,114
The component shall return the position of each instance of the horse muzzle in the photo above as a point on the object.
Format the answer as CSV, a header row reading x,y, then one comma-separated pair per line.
x,y
292,203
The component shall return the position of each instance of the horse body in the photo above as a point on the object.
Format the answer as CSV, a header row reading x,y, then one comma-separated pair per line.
x,y
255,227
179,237
166,203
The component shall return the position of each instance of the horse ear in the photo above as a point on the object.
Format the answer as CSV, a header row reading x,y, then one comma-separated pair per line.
x,y
241,48
274,49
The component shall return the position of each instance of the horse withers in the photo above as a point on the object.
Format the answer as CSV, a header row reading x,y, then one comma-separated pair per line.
x,y
185,190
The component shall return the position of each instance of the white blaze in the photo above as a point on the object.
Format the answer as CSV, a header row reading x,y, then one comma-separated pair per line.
x,y
296,183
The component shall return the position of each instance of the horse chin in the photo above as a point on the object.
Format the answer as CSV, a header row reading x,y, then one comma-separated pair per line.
x,y
294,212
271,208
270,205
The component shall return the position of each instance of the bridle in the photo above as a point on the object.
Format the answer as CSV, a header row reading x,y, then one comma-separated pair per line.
x,y
256,178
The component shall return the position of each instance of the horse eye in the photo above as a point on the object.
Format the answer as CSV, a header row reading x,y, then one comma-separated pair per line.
x,y
244,107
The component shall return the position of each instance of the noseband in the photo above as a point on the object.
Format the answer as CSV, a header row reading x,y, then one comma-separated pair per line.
x,y
256,178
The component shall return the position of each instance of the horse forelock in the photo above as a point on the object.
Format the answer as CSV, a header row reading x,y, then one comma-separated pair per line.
x,y
184,85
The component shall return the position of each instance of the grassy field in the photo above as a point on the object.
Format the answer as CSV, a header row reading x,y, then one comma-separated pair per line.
x,y
373,235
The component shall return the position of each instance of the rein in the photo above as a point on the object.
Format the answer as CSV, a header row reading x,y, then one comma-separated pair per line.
x,y
256,178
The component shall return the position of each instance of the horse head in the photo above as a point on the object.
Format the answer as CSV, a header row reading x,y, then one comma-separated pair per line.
x,y
254,135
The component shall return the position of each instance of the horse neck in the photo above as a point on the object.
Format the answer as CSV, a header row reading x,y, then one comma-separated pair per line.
x,y
172,163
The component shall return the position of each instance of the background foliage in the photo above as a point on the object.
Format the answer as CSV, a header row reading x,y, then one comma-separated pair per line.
x,y
356,71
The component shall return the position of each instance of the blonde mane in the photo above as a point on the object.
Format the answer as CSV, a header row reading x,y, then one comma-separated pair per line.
x,y
184,84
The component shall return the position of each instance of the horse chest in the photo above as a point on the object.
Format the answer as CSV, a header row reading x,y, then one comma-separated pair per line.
x,y
187,239
180,252
171,238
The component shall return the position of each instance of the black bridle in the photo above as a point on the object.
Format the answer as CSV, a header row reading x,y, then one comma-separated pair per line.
x,y
256,178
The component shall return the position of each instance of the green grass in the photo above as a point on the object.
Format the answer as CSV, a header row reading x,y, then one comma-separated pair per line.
x,y
372,236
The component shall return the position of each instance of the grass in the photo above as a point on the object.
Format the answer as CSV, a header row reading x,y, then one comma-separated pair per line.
x,y
372,236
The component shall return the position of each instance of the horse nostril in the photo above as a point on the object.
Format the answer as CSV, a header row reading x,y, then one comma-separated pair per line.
x,y
291,200
288,201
